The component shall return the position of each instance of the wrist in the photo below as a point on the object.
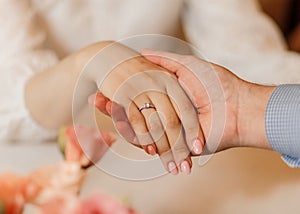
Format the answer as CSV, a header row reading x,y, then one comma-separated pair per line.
x,y
253,101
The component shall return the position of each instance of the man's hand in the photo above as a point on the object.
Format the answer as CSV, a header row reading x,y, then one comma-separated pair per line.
x,y
245,102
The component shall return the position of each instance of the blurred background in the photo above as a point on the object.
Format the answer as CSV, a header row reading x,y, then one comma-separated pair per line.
x,y
286,14
236,181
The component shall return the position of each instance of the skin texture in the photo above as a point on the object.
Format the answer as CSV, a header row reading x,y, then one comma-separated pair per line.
x,y
129,84
57,85
245,102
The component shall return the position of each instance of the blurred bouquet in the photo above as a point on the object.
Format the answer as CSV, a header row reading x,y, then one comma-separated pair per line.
x,y
54,189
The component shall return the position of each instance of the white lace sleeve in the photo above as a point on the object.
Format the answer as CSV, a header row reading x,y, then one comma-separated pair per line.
x,y
21,56
239,36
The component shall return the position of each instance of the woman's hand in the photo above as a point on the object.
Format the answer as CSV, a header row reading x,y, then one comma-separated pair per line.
x,y
102,67
245,103
168,126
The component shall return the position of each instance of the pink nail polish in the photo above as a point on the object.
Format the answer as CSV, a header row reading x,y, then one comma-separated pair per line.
x,y
91,99
151,150
172,168
197,146
185,167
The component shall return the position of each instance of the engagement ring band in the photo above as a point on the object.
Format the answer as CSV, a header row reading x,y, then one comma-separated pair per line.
x,y
146,106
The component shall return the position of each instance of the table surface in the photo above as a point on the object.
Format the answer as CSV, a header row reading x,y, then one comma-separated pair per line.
x,y
235,181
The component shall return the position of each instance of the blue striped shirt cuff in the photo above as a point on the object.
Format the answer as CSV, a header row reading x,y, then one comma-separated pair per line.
x,y
283,123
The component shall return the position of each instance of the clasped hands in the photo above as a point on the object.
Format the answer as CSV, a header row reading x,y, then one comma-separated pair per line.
x,y
162,102
157,103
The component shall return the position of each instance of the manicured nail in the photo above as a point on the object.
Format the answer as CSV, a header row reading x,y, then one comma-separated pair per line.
x,y
185,167
151,150
172,168
197,146
108,108
91,99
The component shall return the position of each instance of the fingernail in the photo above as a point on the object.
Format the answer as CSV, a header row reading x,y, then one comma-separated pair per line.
x,y
151,150
172,168
197,146
185,167
91,99
108,108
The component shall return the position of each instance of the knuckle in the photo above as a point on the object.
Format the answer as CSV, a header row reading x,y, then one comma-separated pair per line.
x,y
155,126
180,151
156,130
191,130
187,109
144,138
188,113
165,154
173,121
134,119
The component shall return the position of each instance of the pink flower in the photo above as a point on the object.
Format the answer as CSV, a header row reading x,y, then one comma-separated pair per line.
x,y
96,204
101,204
84,145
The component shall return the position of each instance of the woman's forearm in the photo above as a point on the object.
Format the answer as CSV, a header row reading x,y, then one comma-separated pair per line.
x,y
130,80
48,95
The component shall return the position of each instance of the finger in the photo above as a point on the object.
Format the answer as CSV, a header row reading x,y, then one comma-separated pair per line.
x,y
99,101
117,113
119,116
177,64
187,69
124,127
166,155
138,123
171,61
120,119
189,118
121,122
156,129
173,130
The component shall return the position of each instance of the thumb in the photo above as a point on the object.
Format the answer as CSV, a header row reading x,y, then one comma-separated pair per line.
x,y
170,61
100,102
180,65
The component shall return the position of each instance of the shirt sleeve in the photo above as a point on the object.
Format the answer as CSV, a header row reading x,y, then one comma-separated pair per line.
x,y
240,36
283,123
22,55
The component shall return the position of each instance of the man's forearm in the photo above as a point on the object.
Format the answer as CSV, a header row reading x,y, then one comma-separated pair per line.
x,y
252,109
